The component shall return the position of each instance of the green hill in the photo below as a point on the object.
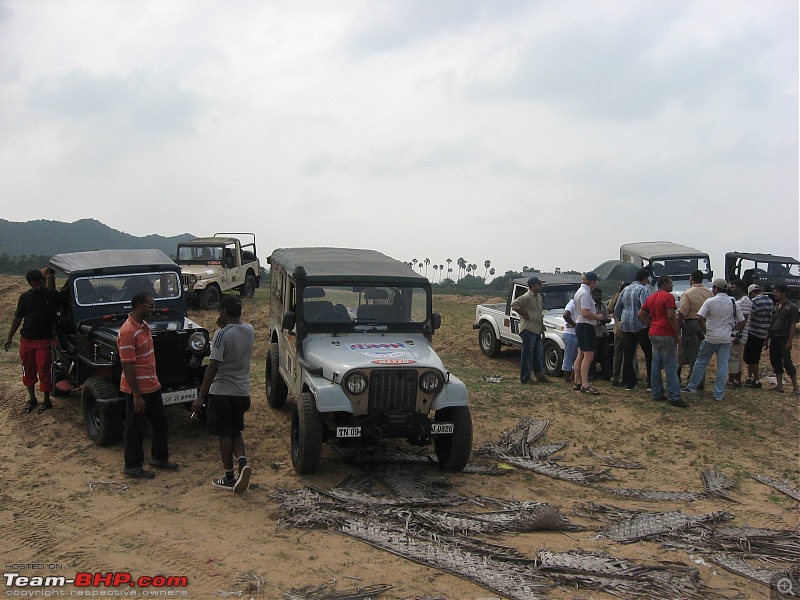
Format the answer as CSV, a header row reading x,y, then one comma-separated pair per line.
x,y
45,238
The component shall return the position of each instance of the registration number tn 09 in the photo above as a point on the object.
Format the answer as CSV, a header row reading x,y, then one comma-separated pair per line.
x,y
348,432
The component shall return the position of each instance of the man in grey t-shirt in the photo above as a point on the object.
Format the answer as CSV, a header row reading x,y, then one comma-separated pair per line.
x,y
226,389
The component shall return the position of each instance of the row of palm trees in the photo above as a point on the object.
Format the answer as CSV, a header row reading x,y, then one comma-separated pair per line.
x,y
463,269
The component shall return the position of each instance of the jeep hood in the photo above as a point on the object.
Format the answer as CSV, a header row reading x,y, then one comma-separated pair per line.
x,y
342,353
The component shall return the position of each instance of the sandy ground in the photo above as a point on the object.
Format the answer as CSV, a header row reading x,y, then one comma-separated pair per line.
x,y
61,507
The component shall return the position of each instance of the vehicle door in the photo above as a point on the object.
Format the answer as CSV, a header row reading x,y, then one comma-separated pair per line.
x,y
289,338
231,260
513,318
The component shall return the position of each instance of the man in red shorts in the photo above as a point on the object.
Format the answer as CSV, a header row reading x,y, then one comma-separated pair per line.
x,y
36,312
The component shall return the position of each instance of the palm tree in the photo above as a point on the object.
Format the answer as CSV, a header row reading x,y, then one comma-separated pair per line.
x,y
441,272
414,263
462,264
435,268
487,264
449,273
448,261
427,262
491,271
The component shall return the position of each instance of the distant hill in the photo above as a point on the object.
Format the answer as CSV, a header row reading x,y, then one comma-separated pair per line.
x,y
45,238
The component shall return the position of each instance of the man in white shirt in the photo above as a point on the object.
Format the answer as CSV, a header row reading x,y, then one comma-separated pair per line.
x,y
587,318
720,319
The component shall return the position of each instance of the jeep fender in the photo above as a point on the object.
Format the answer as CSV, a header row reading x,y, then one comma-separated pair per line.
x,y
551,335
329,397
454,393
492,322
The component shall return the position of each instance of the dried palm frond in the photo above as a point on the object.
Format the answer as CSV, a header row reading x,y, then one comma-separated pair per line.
x,y
781,486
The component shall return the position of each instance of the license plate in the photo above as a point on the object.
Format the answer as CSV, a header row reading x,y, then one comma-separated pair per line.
x,y
441,428
179,397
348,432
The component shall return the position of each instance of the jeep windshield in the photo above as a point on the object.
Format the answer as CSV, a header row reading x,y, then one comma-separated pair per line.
x,y
557,297
199,254
364,307
113,289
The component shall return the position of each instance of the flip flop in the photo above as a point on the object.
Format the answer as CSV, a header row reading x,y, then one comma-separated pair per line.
x,y
590,390
576,387
44,407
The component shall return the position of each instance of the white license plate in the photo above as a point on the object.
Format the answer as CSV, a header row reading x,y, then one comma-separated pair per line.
x,y
346,432
179,396
441,428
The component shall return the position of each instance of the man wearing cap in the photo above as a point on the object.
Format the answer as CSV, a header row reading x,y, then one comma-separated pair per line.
x,y
529,307
757,329
587,319
226,389
719,318
634,332
691,334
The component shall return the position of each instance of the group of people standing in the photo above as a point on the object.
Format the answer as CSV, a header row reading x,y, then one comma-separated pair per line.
x,y
726,321
225,390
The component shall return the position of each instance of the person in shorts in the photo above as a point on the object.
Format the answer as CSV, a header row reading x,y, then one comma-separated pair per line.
x,y
757,326
226,391
587,319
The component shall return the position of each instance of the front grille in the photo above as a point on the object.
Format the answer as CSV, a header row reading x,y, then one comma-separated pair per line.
x,y
171,357
185,280
392,390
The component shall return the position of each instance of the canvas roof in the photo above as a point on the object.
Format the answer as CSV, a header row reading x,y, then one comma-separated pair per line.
x,y
551,278
209,241
335,264
109,259
662,249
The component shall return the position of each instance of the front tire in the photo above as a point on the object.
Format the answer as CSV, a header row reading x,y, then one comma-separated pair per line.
x,y
454,450
104,427
306,435
553,358
209,297
248,290
488,341
276,387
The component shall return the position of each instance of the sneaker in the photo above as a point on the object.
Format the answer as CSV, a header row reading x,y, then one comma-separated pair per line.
x,y
678,403
687,390
46,405
223,484
659,399
629,389
749,382
164,464
240,487
542,379
138,473
649,389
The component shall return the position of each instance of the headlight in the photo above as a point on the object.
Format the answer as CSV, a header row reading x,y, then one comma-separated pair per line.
x,y
192,279
430,382
198,341
356,383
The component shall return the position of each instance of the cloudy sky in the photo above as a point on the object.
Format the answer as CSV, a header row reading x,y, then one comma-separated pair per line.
x,y
524,132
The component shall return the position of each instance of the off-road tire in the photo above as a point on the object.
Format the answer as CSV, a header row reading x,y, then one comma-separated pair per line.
x,y
248,290
102,427
306,435
553,358
454,450
488,341
209,297
276,387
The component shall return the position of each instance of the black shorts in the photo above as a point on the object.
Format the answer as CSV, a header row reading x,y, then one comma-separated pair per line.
x,y
752,350
587,338
225,414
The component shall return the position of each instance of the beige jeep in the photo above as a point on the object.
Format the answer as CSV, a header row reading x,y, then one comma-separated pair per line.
x,y
211,266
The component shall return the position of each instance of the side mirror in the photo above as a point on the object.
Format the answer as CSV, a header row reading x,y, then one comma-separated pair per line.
x,y
436,321
289,321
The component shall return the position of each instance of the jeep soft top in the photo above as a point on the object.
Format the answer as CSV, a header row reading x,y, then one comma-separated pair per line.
x,y
326,265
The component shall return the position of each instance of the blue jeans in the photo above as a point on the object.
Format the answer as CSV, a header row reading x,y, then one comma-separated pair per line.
x,y
532,355
570,352
707,350
665,356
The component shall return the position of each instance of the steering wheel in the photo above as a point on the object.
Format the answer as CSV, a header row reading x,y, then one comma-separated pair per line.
x,y
331,316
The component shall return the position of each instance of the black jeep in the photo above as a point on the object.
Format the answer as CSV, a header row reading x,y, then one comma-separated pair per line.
x,y
98,292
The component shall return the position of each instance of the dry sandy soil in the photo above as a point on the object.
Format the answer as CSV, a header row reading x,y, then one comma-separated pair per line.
x,y
178,525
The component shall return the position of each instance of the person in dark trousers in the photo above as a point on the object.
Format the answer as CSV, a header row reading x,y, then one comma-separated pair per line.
x,y
780,337
226,390
142,391
37,310
634,332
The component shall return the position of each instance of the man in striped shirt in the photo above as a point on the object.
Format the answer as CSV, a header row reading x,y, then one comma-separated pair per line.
x,y
758,327
142,391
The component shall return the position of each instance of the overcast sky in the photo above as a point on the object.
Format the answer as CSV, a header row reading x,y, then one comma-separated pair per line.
x,y
530,133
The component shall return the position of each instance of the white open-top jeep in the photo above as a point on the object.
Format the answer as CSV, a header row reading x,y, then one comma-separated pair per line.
x,y
350,335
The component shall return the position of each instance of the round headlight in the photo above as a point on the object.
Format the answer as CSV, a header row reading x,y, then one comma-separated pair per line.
x,y
356,383
430,382
198,341
192,279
